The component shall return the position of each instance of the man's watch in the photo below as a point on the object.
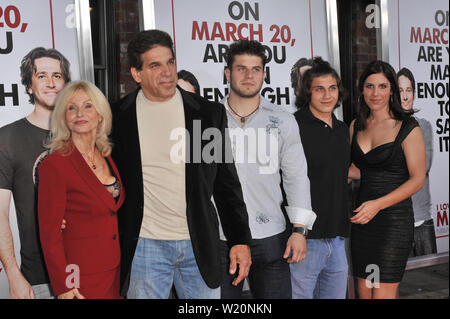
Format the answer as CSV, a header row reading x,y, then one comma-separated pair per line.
x,y
300,230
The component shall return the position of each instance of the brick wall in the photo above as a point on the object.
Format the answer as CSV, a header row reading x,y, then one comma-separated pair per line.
x,y
127,25
364,39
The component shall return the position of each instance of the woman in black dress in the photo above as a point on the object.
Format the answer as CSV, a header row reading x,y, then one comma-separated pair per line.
x,y
388,148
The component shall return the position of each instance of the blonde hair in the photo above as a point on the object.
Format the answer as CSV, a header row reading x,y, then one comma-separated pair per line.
x,y
60,134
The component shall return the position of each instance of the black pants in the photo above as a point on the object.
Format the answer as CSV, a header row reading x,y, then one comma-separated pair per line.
x,y
269,276
424,239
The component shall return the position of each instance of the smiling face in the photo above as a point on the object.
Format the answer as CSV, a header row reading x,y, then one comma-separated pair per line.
x,y
406,92
377,91
81,115
324,95
158,77
246,76
46,82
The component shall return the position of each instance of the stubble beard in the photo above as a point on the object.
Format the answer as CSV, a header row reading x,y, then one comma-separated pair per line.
x,y
244,94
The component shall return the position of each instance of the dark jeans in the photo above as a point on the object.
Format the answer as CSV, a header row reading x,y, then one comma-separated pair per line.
x,y
269,276
424,239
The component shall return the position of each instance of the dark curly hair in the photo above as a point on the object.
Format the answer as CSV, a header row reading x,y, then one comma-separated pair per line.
x,y
319,67
27,66
295,73
249,47
144,41
395,106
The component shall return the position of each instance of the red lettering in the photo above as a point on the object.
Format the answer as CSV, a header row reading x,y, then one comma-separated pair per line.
x,y
436,35
259,33
427,36
217,32
444,40
240,27
200,33
416,36
432,36
231,30
442,219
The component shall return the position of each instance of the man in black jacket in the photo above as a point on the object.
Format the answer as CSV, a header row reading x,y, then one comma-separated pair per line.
x,y
168,227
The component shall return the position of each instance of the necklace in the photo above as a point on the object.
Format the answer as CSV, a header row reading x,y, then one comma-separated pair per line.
x,y
91,159
242,117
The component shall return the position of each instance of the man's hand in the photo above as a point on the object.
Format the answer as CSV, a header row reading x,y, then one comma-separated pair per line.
x,y
240,254
19,288
297,245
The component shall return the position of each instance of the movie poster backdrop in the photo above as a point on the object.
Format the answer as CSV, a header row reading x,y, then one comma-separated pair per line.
x,y
25,25
418,40
202,30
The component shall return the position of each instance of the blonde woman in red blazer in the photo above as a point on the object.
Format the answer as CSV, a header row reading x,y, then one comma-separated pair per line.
x,y
79,182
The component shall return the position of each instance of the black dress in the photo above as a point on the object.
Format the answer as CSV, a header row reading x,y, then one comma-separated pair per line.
x,y
386,240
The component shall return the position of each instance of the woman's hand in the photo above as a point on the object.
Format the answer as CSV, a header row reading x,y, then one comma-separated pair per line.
x,y
72,294
366,212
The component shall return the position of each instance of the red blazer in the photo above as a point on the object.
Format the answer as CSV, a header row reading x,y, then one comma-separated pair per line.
x,y
69,190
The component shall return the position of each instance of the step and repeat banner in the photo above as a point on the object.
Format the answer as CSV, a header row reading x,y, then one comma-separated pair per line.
x,y
25,25
418,40
203,29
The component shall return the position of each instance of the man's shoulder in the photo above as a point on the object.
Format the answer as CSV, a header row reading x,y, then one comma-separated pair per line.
x,y
423,122
125,102
301,115
341,123
12,130
278,116
20,123
202,100
275,110
203,104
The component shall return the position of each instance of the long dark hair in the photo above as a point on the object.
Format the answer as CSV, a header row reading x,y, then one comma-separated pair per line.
x,y
395,106
319,68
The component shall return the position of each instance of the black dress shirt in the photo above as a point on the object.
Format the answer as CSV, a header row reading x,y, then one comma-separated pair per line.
x,y
327,151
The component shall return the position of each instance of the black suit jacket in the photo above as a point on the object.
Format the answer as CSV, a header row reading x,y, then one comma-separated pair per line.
x,y
202,181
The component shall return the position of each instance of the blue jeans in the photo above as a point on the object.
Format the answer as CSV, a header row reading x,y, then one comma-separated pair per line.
x,y
324,271
269,275
157,264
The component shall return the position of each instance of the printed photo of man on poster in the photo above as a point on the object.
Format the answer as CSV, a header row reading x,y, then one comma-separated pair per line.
x,y
44,72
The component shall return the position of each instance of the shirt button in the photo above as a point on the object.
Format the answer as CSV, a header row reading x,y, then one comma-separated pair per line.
x,y
114,237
